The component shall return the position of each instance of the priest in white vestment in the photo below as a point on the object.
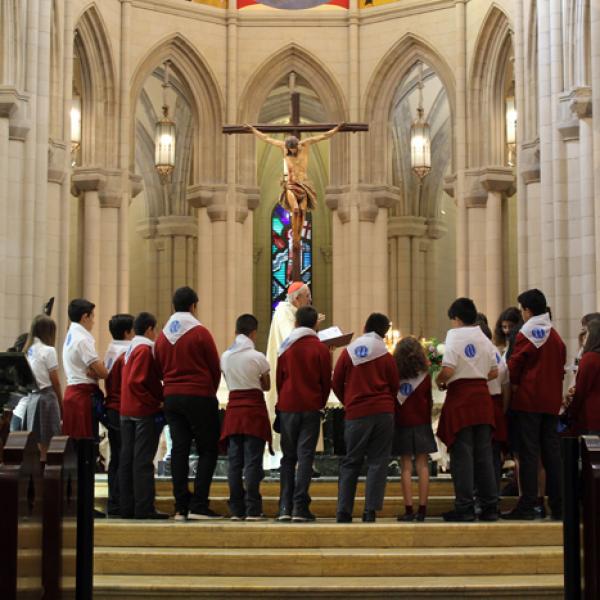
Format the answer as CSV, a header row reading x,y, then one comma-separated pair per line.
x,y
283,322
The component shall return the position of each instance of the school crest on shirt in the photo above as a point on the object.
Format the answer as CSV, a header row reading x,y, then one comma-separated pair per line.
x,y
470,351
538,333
175,326
69,339
361,351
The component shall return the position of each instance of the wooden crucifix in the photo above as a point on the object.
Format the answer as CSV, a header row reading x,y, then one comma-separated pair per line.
x,y
297,196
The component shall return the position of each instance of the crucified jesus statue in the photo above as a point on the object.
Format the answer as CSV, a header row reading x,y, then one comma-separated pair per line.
x,y
297,195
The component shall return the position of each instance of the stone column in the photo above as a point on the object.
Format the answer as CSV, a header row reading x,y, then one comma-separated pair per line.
x,y
497,181
460,160
595,124
529,166
102,195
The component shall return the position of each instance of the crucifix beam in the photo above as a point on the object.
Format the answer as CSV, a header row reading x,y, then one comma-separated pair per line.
x,y
291,128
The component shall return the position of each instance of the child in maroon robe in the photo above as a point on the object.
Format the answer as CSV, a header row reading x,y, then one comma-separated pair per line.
x,y
585,407
413,422
141,423
121,329
467,418
537,368
246,426
303,386
366,382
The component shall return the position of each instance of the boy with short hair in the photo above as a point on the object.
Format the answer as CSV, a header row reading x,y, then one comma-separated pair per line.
x,y
83,368
536,369
366,382
246,425
121,329
467,417
303,386
189,363
141,422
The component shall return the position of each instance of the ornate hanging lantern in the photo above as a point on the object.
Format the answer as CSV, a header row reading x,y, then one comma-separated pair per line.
x,y
511,127
75,123
420,138
164,138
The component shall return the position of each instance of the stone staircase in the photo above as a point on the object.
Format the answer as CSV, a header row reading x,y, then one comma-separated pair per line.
x,y
221,559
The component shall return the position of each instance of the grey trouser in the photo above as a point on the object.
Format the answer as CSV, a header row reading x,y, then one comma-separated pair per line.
x,y
245,472
472,464
299,437
139,442
369,437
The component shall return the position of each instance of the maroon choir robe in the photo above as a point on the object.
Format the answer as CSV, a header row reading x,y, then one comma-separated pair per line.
x,y
416,409
141,387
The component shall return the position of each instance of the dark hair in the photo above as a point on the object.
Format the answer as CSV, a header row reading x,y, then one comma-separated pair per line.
x,y
246,324
119,325
142,322
410,358
511,314
533,300
586,319
483,325
291,142
78,308
592,343
463,309
307,316
43,328
379,323
183,298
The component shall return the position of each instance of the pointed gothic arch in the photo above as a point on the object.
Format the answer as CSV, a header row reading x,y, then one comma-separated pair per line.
x,y
292,58
487,84
98,94
205,98
378,100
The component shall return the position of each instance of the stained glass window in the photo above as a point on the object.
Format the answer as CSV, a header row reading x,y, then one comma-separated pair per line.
x,y
281,251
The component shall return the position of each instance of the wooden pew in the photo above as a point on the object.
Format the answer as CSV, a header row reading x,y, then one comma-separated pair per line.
x,y
60,520
20,519
590,463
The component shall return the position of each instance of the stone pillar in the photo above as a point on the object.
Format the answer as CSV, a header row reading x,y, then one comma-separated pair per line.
x,y
581,106
497,181
460,160
178,236
102,195
595,124
529,167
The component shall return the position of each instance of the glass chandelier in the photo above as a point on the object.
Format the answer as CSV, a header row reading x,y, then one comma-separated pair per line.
x,y
420,137
75,123
164,138
511,127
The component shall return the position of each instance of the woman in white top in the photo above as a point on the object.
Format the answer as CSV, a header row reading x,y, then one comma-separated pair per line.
x,y
43,412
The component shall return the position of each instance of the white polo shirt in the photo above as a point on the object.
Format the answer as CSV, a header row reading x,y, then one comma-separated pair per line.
x,y
469,352
243,366
79,352
42,359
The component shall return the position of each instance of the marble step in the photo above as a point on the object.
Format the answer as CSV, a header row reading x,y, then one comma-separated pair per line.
x,y
324,534
479,587
325,506
330,562
318,487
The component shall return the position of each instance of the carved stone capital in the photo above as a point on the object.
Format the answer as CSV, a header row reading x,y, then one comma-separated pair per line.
x,y
436,228
57,156
530,162
450,184
334,196
497,179
107,182
202,195
407,226
136,184
580,102
10,100
147,228
569,129
177,226
473,192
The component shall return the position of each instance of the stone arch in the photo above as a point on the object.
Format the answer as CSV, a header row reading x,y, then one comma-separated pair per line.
x,y
205,99
292,58
485,107
98,97
377,145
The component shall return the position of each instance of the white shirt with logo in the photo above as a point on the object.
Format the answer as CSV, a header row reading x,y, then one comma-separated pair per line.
x,y
42,359
469,352
115,349
79,352
243,365
495,385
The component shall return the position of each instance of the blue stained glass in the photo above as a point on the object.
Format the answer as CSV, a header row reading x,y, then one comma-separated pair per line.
x,y
281,245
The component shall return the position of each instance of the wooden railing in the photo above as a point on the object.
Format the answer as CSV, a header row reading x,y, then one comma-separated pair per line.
x,y
590,470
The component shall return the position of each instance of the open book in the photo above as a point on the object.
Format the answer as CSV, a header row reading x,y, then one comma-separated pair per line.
x,y
334,337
